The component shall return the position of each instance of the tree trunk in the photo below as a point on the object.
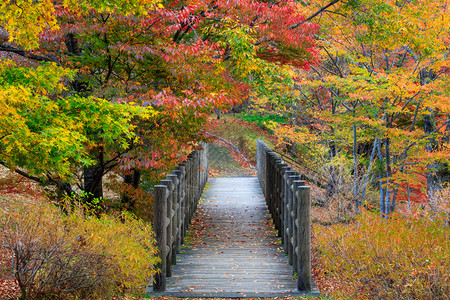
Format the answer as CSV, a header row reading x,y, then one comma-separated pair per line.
x,y
382,176
93,179
92,176
133,179
433,183
355,170
394,200
331,186
332,181
366,177
387,205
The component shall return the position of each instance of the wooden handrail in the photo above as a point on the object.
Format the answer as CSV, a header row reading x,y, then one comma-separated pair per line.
x,y
175,201
289,203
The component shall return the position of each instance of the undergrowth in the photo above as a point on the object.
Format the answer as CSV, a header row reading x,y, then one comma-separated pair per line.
x,y
396,258
74,254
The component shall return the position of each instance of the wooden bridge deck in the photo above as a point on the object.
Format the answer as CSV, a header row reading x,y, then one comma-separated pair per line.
x,y
232,249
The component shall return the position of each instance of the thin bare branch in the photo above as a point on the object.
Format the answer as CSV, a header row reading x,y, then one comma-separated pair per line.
x,y
322,9
8,48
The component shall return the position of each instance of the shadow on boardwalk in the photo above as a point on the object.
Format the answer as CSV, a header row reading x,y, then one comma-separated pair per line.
x,y
231,249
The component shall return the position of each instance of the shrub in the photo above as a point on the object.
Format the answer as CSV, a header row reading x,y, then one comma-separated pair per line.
x,y
340,203
262,120
75,255
398,258
439,202
124,239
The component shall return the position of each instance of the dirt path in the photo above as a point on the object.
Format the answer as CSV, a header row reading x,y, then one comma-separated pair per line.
x,y
225,162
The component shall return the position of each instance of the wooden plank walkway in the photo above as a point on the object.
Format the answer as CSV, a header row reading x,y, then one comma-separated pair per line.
x,y
232,249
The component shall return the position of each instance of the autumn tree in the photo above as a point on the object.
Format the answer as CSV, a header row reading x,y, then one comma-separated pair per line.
x,y
158,67
379,94
45,132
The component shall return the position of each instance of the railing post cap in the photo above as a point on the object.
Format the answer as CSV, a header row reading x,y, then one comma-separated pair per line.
x,y
299,182
177,173
160,186
304,187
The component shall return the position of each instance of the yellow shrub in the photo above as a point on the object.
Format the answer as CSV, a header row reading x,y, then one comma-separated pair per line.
x,y
127,241
75,255
398,258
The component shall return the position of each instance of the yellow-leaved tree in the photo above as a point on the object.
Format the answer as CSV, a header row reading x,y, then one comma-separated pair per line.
x,y
379,96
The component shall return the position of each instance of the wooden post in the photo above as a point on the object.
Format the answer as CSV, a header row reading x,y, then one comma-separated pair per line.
x,y
191,187
287,210
283,169
295,244
268,179
292,226
179,174
260,164
169,185
273,185
274,189
174,217
204,165
160,227
304,238
183,183
277,194
188,197
197,191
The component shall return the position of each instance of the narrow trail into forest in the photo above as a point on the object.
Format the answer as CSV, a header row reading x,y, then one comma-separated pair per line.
x,y
222,160
232,249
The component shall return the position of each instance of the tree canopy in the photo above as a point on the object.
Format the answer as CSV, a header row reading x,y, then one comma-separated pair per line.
x,y
95,85
379,95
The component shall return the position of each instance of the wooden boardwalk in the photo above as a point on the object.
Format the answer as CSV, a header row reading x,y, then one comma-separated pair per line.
x,y
232,249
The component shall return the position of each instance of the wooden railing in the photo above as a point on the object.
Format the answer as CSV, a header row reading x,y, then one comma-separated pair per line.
x,y
289,203
175,201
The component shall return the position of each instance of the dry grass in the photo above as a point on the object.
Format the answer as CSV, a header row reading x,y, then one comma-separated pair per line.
x,y
13,187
